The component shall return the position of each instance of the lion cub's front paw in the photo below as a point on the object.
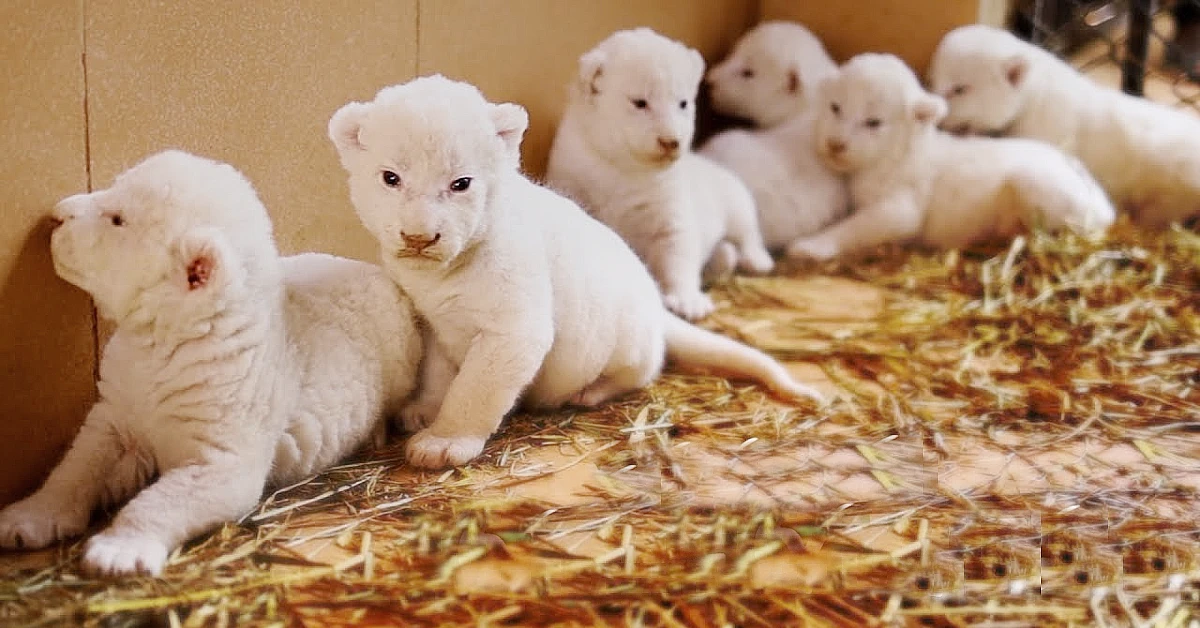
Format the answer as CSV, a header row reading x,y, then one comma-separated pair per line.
x,y
434,452
818,249
35,523
756,261
689,305
116,554
418,414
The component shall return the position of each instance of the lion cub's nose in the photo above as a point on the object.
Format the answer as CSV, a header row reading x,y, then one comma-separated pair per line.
x,y
835,146
668,144
419,242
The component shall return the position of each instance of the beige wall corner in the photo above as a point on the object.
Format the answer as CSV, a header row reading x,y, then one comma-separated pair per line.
x,y
46,336
909,29
251,83
525,51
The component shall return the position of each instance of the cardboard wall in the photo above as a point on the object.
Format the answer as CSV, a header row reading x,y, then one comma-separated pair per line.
x,y
90,87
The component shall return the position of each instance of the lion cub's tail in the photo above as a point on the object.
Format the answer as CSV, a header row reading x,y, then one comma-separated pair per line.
x,y
692,346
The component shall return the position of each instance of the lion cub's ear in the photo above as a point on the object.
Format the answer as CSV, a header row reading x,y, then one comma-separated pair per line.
x,y
591,69
201,260
929,109
344,128
511,121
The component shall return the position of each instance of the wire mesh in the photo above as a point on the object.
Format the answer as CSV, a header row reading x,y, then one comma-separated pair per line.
x,y
1148,48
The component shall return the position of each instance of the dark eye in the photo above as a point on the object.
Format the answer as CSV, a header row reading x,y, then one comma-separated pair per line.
x,y
390,178
460,184
835,108
958,90
640,103
747,73
683,104
118,220
874,123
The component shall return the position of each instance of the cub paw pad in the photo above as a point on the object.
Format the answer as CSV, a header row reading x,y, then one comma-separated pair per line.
x,y
428,451
108,554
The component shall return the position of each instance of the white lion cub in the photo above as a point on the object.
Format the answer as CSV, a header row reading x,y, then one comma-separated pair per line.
x,y
768,79
230,368
910,181
769,75
526,295
623,151
1146,155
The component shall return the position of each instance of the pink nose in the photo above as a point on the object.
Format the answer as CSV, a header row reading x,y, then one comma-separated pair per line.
x,y
835,146
419,242
668,144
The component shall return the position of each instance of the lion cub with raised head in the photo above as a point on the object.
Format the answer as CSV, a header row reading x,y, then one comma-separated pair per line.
x,y
230,368
769,78
623,152
770,74
910,181
1145,154
527,296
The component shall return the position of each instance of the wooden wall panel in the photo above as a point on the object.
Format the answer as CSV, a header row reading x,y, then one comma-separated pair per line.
x,y
46,336
251,83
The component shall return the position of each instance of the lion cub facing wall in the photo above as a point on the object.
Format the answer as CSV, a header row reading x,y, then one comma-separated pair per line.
x,y
527,296
230,368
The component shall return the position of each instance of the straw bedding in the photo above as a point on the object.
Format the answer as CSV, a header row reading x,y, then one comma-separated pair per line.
x,y
1015,441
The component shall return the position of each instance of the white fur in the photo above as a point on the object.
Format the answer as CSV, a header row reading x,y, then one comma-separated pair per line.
x,y
795,193
526,295
635,91
770,74
1146,155
909,181
230,368
769,78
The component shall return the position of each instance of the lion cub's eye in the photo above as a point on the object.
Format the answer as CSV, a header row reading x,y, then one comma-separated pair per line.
x,y
835,108
460,184
958,90
683,104
640,103
747,73
117,220
390,178
874,123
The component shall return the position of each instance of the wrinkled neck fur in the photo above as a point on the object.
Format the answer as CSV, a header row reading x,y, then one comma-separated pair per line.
x,y
900,165
260,299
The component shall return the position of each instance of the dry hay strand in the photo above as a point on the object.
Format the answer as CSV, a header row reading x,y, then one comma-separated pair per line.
x,y
1015,441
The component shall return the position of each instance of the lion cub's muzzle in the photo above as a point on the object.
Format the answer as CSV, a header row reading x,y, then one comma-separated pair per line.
x,y
418,245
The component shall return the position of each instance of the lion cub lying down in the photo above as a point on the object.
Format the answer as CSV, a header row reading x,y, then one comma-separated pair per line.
x,y
623,152
527,296
230,368
1145,154
910,181
769,79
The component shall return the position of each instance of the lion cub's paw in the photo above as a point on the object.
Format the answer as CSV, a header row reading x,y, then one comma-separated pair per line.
x,y
434,452
818,249
757,261
418,414
35,523
689,305
115,554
